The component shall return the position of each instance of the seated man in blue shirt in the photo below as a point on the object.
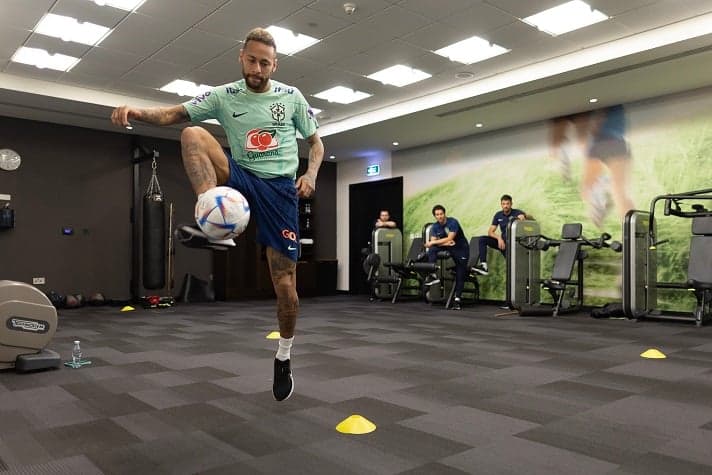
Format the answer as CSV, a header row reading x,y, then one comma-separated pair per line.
x,y
446,234
500,219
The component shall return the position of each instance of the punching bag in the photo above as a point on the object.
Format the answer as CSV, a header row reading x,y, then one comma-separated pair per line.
x,y
154,235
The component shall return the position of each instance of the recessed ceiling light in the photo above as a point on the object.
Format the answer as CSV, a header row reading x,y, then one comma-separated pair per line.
x,y
342,95
70,29
471,50
593,100
42,59
127,5
464,75
399,75
479,125
185,88
289,42
566,17
395,144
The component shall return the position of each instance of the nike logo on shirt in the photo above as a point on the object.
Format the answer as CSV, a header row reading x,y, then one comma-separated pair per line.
x,y
292,248
236,115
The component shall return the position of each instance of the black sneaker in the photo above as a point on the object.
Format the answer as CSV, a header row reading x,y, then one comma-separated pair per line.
x,y
456,305
432,280
282,384
481,268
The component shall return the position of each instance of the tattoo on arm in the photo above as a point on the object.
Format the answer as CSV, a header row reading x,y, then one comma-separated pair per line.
x,y
164,115
200,173
316,154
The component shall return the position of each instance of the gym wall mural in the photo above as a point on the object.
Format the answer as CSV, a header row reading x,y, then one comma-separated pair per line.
x,y
588,168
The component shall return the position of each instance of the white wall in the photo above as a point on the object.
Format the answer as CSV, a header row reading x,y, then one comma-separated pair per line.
x,y
349,172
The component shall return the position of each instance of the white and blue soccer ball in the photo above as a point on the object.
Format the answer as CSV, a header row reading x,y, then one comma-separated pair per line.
x,y
222,212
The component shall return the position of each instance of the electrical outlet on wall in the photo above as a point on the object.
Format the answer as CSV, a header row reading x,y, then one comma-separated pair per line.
x,y
38,280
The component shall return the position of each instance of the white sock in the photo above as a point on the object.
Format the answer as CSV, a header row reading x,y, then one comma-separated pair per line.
x,y
285,346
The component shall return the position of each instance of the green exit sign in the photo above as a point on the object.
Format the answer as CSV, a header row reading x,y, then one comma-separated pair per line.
x,y
373,170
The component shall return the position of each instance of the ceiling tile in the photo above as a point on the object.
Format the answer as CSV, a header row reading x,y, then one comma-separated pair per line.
x,y
180,12
663,13
396,21
435,36
347,42
232,21
155,74
478,20
380,57
364,8
23,14
10,40
523,9
313,23
130,36
437,10
516,34
616,7
290,68
25,70
75,78
55,45
100,61
84,10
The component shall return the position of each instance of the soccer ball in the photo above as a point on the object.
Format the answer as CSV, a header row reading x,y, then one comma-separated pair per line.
x,y
222,212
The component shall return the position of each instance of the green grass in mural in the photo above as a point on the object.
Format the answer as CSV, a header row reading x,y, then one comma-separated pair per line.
x,y
664,163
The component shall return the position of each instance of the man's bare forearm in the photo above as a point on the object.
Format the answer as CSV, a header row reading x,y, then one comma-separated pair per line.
x,y
316,155
163,115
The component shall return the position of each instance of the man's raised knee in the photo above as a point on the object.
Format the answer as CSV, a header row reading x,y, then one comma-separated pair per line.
x,y
192,134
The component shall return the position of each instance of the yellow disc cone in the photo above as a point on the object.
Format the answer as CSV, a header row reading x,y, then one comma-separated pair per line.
x,y
127,308
273,336
653,353
356,425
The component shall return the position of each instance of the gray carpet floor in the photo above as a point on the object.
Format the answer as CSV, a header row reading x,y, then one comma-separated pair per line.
x,y
188,390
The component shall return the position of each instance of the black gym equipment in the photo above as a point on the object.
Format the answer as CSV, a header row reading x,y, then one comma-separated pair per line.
x,y
523,264
640,258
154,233
28,321
389,276
566,292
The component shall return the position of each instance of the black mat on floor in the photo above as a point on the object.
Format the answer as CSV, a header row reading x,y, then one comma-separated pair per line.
x,y
188,390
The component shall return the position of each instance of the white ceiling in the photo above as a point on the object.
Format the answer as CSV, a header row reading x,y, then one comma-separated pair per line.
x,y
199,40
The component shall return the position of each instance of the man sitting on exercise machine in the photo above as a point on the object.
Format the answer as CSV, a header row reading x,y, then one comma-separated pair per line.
x,y
446,234
500,219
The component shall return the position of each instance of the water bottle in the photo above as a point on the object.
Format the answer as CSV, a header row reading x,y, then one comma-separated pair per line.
x,y
76,354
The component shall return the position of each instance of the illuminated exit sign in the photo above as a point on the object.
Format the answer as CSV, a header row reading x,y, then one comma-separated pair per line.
x,y
373,170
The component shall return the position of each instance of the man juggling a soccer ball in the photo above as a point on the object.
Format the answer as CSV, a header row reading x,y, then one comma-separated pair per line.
x,y
261,117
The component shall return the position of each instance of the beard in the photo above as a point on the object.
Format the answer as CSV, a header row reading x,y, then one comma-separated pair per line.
x,y
254,82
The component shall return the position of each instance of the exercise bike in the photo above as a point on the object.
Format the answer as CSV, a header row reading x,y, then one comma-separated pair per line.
x,y
28,321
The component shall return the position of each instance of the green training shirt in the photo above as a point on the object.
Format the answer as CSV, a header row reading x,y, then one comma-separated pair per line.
x,y
261,127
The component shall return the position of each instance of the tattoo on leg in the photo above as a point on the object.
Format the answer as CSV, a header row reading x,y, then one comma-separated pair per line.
x,y
198,168
283,271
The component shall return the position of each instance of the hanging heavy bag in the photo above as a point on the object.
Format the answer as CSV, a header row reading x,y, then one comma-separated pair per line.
x,y
154,234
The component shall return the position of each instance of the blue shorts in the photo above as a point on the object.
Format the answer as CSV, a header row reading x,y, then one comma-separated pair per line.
x,y
273,206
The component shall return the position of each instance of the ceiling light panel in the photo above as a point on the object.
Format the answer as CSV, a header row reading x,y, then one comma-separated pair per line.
x,y
471,50
289,42
127,5
185,88
43,60
566,17
70,29
399,75
342,95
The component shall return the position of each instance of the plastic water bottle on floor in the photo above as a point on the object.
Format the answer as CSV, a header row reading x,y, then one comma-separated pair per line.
x,y
76,354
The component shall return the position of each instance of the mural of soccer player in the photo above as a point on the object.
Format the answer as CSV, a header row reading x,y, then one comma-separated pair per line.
x,y
607,166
